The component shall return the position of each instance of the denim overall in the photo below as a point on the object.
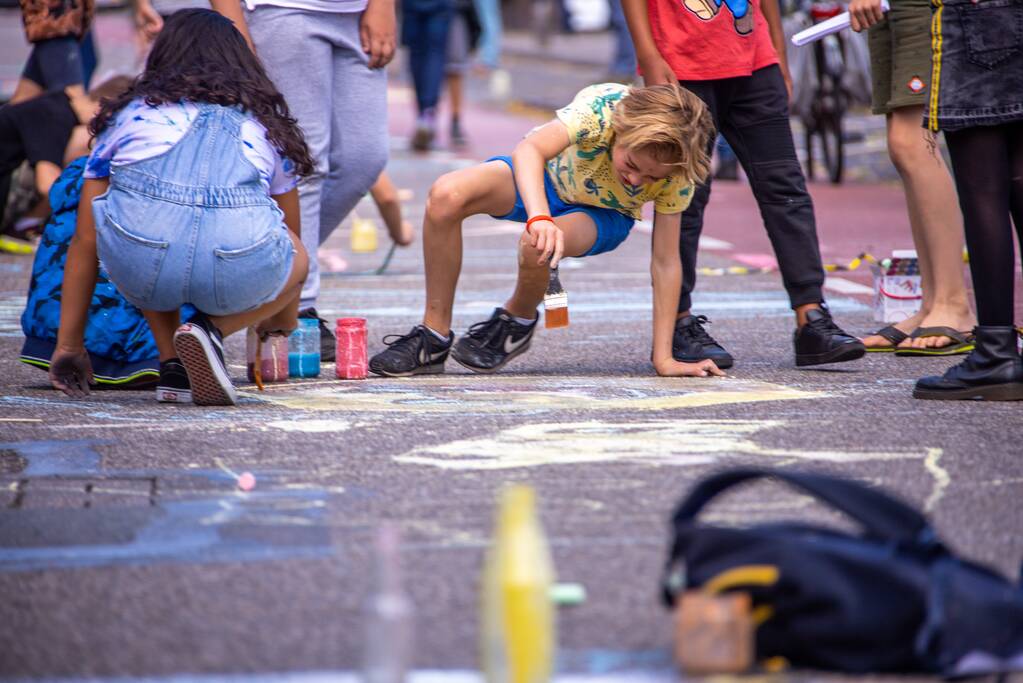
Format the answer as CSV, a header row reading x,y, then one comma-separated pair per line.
x,y
194,224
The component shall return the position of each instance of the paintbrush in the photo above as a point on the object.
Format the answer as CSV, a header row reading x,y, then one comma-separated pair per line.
x,y
555,302
257,369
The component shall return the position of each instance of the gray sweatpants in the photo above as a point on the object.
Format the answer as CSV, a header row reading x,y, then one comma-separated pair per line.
x,y
315,59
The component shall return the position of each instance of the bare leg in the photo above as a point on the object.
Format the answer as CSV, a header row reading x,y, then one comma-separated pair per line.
x,y
229,324
385,196
488,188
455,94
580,234
937,230
162,324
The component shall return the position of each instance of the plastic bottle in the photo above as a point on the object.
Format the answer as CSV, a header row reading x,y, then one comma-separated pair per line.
x,y
517,620
351,348
273,362
364,235
304,349
389,616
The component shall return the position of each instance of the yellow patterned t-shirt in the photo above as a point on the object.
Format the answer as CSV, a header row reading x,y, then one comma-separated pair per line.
x,y
583,173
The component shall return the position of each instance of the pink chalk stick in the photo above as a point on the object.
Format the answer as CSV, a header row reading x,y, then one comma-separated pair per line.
x,y
246,481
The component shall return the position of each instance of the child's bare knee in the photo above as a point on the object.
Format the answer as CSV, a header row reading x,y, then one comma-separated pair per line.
x,y
528,254
446,201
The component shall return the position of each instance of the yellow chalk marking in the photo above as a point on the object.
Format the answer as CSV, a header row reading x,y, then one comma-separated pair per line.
x,y
515,394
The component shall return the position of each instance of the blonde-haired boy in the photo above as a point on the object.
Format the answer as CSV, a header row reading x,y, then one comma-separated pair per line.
x,y
578,182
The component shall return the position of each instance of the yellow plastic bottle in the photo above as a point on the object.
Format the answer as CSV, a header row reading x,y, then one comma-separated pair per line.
x,y
364,235
517,628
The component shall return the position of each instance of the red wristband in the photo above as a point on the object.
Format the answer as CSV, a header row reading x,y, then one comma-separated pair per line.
x,y
538,217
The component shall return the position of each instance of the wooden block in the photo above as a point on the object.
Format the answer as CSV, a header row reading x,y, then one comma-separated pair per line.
x,y
714,633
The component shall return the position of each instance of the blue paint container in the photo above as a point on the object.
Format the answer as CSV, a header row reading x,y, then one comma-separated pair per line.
x,y
304,349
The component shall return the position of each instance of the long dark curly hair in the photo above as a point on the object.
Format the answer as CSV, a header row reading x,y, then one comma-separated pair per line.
x,y
200,56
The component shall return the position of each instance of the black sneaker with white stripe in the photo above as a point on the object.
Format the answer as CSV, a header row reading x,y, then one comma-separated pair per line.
x,y
173,386
489,345
419,352
201,349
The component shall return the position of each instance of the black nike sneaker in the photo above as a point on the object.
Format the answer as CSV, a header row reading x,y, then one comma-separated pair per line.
x,y
173,386
417,353
490,344
821,341
692,343
328,343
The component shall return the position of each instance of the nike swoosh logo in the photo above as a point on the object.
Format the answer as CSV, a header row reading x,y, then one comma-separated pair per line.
x,y
429,358
512,347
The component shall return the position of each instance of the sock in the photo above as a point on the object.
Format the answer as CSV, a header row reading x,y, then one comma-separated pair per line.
x,y
438,335
528,322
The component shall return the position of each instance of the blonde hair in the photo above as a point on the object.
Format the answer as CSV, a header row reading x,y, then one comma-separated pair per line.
x,y
670,123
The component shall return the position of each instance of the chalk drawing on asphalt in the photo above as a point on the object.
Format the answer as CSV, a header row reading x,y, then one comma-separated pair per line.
x,y
678,442
532,395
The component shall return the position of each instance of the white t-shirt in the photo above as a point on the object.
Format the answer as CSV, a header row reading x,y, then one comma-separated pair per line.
x,y
142,131
312,5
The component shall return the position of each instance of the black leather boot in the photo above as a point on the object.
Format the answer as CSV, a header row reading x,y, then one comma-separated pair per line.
x,y
992,372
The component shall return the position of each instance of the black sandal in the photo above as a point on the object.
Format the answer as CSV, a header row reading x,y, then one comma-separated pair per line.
x,y
962,342
893,335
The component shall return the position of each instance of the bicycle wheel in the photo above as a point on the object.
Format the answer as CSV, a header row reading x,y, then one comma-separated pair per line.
x,y
833,146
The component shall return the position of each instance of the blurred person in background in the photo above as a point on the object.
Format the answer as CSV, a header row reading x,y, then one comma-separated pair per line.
x,y
424,30
623,64
55,28
463,36
491,30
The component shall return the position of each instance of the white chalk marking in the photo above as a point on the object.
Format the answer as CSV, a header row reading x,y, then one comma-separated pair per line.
x,y
311,426
655,442
941,478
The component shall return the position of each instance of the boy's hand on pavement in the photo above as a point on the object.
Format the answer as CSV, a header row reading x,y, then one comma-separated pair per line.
x,y
864,13
656,71
670,367
71,371
377,29
547,238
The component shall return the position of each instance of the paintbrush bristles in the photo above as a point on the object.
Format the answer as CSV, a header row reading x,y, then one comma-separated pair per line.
x,y
555,303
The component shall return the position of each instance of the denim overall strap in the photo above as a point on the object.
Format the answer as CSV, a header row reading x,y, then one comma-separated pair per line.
x,y
206,167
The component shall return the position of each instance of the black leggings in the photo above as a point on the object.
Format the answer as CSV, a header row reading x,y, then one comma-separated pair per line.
x,y
988,166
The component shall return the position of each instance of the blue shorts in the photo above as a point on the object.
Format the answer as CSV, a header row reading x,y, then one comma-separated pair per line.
x,y
612,226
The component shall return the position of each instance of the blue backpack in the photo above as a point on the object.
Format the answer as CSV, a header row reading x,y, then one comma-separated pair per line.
x,y
117,337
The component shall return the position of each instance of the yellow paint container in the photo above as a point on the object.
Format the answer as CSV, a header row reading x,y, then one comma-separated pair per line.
x,y
364,235
517,635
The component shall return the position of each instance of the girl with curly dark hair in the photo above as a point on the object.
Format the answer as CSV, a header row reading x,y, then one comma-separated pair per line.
x,y
190,198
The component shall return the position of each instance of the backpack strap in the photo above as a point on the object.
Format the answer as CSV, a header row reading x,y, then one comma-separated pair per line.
x,y
882,516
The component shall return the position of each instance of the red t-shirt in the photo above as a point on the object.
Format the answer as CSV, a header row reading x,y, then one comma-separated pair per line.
x,y
703,41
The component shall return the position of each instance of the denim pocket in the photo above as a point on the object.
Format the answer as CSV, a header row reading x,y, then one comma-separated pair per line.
x,y
132,262
993,30
247,277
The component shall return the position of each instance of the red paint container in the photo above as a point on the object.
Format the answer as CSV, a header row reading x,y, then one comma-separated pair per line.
x,y
351,348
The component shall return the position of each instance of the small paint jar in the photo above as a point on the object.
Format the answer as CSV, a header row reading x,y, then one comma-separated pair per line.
x,y
304,349
273,360
351,348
